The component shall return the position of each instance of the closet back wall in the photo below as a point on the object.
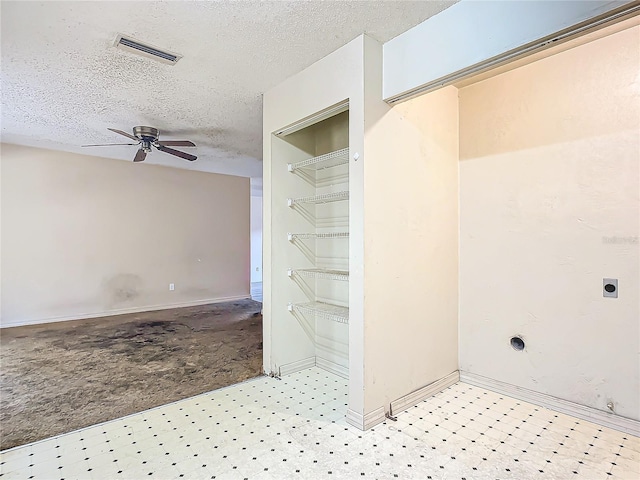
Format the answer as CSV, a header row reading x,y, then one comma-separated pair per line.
x,y
88,236
549,182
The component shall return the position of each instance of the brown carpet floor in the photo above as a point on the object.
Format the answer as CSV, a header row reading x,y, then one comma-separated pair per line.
x,y
59,377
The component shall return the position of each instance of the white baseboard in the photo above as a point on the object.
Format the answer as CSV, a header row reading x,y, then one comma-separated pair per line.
x,y
419,395
296,366
309,362
121,311
365,422
590,414
334,368
371,419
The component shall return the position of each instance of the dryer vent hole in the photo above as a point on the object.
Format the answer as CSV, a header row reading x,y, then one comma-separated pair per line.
x,y
517,343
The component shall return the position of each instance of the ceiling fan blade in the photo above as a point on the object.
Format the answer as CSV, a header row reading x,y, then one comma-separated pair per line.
x,y
177,143
123,133
177,153
140,156
108,144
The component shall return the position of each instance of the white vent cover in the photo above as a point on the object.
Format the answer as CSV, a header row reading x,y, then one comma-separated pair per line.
x,y
132,45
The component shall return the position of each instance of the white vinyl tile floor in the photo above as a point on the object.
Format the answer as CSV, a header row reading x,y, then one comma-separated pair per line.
x,y
294,428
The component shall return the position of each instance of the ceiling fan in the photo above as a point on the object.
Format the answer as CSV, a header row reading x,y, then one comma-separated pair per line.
x,y
147,137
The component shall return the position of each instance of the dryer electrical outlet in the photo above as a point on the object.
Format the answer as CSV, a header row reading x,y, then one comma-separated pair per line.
x,y
610,287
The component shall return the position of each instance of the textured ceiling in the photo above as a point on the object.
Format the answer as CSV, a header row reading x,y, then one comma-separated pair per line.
x,y
63,82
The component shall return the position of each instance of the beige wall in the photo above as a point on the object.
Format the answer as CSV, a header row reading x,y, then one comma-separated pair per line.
x,y
85,236
549,175
411,246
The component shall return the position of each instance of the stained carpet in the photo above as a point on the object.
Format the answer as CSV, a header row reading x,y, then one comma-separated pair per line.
x,y
59,377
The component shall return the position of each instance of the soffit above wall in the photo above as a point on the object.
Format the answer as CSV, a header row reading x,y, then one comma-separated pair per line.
x,y
576,42
474,36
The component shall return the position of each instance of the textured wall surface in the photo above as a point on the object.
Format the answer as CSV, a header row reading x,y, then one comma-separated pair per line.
x,y
411,247
63,83
549,206
87,236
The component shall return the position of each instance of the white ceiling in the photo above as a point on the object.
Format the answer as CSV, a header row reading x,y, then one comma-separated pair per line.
x,y
63,82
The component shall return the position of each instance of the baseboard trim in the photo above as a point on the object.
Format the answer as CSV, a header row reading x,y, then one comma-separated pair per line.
x,y
365,422
590,414
419,395
122,311
309,362
293,367
332,367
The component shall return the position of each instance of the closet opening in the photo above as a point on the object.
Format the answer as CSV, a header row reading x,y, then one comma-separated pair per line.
x,y
310,245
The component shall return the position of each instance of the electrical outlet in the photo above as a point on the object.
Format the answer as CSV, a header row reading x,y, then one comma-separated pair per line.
x,y
610,287
257,269
172,287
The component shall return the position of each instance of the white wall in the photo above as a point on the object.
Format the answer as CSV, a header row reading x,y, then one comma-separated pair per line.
x,y
549,205
88,236
256,238
471,32
411,241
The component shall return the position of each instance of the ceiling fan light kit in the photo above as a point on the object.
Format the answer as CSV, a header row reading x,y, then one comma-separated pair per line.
x,y
147,138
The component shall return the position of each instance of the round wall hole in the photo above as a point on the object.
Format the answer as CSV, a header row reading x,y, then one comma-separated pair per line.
x,y
609,287
517,343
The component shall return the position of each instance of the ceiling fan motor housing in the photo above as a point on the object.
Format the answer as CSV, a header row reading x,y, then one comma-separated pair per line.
x,y
146,133
148,136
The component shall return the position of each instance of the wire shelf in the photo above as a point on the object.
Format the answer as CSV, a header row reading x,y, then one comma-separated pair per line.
x,y
329,160
323,310
322,198
295,236
322,273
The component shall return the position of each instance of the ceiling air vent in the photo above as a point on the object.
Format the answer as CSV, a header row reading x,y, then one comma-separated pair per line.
x,y
144,49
